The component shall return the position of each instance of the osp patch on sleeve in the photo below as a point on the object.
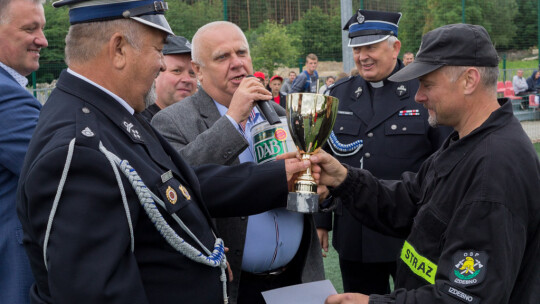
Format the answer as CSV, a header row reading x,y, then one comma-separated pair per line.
x,y
469,267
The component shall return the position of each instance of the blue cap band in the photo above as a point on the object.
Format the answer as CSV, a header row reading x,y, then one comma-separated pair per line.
x,y
381,26
104,12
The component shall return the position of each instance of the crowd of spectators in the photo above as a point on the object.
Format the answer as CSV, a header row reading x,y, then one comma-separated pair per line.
x,y
139,182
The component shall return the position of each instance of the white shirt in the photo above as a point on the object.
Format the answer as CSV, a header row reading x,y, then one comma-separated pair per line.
x,y
120,100
18,77
519,84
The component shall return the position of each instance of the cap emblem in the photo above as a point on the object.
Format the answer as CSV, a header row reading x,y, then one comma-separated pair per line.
x,y
360,18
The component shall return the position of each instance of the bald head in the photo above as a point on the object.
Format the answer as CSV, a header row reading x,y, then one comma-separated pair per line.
x,y
208,30
221,59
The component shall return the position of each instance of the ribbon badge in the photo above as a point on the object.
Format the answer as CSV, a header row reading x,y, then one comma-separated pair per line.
x,y
414,112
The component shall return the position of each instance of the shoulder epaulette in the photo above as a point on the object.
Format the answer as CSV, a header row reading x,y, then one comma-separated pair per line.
x,y
86,127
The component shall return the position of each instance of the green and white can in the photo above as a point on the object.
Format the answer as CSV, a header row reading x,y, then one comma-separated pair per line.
x,y
270,141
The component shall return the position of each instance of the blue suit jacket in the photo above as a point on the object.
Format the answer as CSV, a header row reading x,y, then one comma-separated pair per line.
x,y
19,112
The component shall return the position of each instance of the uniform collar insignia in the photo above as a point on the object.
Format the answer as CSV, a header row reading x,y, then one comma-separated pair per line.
x,y
131,130
401,90
358,92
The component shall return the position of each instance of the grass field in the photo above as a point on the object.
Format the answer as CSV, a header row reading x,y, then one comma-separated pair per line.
x,y
537,147
331,266
520,64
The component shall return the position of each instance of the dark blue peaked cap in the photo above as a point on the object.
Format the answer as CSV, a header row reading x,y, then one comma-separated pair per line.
x,y
149,12
369,27
176,45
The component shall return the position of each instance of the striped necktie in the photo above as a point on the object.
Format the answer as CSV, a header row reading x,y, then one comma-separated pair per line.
x,y
243,124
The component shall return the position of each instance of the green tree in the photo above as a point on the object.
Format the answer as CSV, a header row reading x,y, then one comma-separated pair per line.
x,y
185,19
55,31
52,57
411,25
421,16
527,25
497,16
273,47
319,33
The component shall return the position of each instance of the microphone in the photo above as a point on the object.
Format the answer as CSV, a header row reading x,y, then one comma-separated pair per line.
x,y
267,110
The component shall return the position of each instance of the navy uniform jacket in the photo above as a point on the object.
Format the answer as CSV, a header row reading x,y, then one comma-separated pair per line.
x,y
396,138
89,254
471,216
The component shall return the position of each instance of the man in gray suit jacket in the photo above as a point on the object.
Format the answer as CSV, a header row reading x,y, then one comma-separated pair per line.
x,y
213,126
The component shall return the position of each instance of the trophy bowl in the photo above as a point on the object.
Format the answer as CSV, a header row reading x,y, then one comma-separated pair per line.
x,y
310,118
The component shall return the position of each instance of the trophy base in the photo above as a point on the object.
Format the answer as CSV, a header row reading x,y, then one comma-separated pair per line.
x,y
303,202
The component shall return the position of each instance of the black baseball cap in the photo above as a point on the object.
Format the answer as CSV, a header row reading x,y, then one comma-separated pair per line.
x,y
452,45
176,45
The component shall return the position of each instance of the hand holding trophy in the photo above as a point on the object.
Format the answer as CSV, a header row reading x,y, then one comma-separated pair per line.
x,y
310,118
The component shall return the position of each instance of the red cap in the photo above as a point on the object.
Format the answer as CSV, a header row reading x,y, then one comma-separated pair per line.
x,y
259,75
276,77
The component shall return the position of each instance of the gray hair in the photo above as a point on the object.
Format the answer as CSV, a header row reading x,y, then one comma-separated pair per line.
x,y
488,75
4,5
391,40
84,41
196,41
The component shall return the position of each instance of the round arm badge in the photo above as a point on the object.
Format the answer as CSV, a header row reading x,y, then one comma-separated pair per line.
x,y
469,267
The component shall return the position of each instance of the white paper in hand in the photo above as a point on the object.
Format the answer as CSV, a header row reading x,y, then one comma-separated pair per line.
x,y
308,293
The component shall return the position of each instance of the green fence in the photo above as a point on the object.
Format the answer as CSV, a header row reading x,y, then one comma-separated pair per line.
x,y
282,32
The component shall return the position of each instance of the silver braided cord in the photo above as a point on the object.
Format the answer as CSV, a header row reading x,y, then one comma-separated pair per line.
x,y
216,258
124,202
341,149
57,200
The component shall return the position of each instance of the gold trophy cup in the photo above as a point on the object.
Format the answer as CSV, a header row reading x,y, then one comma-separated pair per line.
x,y
311,118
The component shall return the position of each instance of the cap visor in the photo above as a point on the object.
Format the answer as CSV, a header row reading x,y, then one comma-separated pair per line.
x,y
366,40
176,52
156,21
414,70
